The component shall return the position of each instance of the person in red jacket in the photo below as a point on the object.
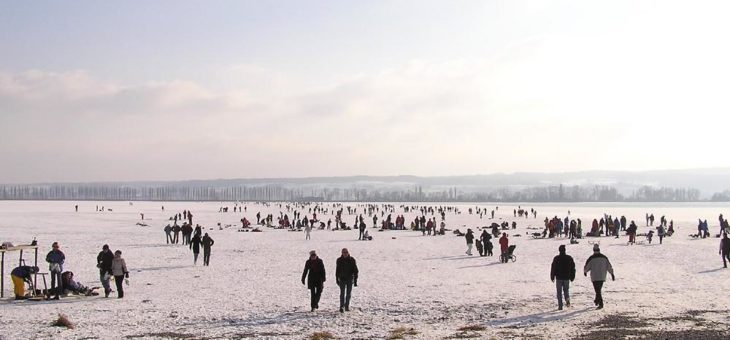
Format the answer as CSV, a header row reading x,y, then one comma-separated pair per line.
x,y
504,245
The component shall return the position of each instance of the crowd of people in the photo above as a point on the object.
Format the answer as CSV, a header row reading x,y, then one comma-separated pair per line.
x,y
308,217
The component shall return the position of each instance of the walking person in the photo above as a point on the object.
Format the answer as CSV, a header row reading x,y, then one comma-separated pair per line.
x,y
168,231
346,276
307,232
469,241
104,263
725,249
195,246
120,272
207,243
55,259
176,233
598,264
562,272
316,278
362,230
504,247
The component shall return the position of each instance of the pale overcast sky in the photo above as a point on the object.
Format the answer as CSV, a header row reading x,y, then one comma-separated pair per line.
x,y
168,90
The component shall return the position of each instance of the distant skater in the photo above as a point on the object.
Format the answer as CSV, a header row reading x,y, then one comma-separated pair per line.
x,y
469,241
195,246
725,249
307,231
207,243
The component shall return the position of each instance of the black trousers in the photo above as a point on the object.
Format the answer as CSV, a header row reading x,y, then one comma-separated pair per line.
x,y
316,291
56,283
119,280
597,286
206,258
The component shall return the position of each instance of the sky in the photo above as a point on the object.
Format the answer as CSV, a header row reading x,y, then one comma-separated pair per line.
x,y
175,90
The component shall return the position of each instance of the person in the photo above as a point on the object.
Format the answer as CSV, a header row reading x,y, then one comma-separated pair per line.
x,y
120,272
469,241
307,232
724,249
55,259
362,230
562,272
486,243
75,287
598,264
316,278
187,231
176,233
168,230
504,246
20,275
346,276
631,230
207,243
660,232
104,263
195,246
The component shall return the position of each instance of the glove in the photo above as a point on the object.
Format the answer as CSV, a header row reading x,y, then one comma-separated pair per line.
x,y
613,278
355,283
302,281
585,274
126,275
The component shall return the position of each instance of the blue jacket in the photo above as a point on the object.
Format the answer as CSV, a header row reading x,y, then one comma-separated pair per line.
x,y
22,272
56,256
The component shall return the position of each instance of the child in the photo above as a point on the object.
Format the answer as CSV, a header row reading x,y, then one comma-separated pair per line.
x,y
480,248
120,272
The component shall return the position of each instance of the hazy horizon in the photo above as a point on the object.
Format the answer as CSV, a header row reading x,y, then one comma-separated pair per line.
x,y
184,90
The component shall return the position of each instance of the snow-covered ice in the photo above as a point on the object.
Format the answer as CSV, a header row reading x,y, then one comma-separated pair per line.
x,y
252,288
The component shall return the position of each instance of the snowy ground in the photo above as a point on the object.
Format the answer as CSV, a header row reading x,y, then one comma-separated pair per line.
x,y
252,288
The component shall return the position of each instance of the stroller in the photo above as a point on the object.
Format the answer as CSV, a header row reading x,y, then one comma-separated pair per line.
x,y
510,254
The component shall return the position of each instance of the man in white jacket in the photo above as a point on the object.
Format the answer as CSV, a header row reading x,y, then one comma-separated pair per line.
x,y
598,264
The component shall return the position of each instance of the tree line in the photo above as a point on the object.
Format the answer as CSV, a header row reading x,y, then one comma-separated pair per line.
x,y
277,192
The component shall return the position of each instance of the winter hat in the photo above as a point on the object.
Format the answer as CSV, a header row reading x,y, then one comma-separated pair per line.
x,y
312,253
561,248
596,248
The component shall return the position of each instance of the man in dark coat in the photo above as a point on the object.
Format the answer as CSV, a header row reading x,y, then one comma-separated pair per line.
x,y
207,243
562,269
195,246
469,241
315,282
345,276
104,263
725,249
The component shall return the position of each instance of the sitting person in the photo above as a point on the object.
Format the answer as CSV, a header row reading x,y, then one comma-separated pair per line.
x,y
366,236
72,286
20,275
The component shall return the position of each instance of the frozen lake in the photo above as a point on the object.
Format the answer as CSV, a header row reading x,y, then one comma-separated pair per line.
x,y
252,288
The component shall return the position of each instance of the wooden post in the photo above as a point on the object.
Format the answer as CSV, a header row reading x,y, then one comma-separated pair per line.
x,y
35,276
2,275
